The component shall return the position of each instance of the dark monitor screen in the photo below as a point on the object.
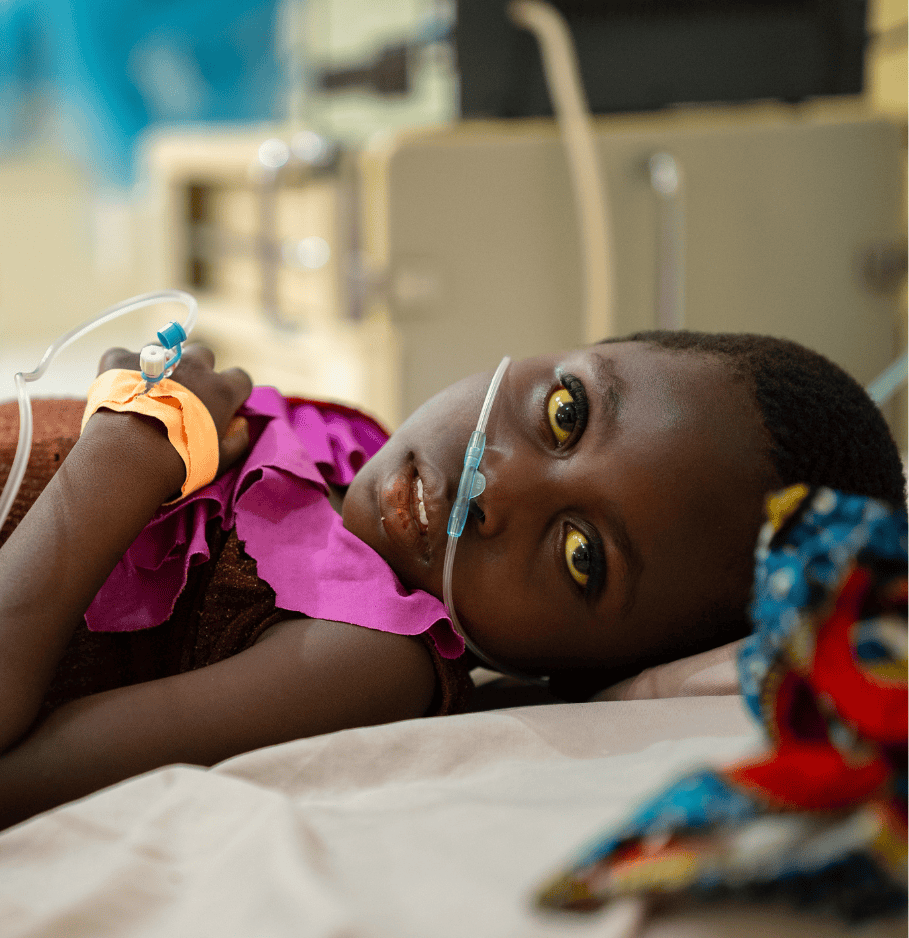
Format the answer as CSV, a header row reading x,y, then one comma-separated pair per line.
x,y
638,55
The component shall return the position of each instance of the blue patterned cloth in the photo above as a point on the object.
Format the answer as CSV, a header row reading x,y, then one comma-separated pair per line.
x,y
820,816
797,567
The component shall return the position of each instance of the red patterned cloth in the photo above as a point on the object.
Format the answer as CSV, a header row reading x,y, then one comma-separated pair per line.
x,y
820,815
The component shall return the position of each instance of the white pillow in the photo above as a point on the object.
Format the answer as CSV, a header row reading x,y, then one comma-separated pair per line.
x,y
710,674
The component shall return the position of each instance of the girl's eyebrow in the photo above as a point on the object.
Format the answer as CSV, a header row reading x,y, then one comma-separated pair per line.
x,y
609,386
610,389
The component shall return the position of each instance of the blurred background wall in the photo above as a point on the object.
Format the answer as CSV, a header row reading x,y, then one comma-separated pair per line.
x,y
331,273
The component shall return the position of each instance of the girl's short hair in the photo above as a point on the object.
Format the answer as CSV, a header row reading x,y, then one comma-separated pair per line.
x,y
825,428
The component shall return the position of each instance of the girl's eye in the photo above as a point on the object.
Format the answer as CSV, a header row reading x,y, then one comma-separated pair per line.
x,y
562,414
577,556
567,409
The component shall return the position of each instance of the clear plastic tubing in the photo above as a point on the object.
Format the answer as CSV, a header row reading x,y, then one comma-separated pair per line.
x,y
471,485
24,447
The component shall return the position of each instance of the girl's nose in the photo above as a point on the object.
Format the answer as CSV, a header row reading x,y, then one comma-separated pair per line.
x,y
514,490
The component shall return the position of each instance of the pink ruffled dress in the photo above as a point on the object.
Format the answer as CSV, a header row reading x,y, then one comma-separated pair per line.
x,y
277,501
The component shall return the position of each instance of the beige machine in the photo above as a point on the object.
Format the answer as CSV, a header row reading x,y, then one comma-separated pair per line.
x,y
448,248
776,221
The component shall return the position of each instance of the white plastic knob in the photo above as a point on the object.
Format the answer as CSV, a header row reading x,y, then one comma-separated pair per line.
x,y
153,361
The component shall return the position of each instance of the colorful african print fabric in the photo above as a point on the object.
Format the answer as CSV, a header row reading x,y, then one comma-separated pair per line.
x,y
820,815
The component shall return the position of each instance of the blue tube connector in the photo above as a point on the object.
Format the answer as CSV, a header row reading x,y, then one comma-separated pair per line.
x,y
172,334
472,483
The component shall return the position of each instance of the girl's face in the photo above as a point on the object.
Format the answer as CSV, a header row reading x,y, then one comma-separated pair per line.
x,y
623,498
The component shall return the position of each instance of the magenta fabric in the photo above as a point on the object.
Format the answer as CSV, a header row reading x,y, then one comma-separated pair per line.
x,y
277,501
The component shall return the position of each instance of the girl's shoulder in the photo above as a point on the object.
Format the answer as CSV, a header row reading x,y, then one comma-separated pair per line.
x,y
236,609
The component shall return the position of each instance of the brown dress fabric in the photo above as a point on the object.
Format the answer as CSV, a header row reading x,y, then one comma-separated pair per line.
x,y
223,610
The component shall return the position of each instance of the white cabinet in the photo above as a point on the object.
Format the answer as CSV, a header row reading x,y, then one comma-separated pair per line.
x,y
781,208
273,293
452,247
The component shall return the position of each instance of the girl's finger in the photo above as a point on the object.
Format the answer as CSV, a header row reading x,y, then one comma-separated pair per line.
x,y
234,443
118,358
240,382
201,353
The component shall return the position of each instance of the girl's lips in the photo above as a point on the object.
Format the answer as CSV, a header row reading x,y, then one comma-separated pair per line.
x,y
401,498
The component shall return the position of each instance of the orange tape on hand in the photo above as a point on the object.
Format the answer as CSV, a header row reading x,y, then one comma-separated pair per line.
x,y
189,425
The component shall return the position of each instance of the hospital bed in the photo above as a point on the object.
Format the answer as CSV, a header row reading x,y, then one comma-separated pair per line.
x,y
445,828
433,828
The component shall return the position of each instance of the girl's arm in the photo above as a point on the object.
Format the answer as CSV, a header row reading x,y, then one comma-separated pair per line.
x,y
116,476
303,677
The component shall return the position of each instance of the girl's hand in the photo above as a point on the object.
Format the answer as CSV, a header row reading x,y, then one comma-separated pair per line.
x,y
222,393
119,473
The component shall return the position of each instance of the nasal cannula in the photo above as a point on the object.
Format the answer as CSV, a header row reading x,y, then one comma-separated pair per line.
x,y
472,484
155,361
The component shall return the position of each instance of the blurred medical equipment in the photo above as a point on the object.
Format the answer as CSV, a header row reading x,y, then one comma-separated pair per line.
x,y
569,102
156,362
889,381
115,70
563,78
637,56
763,219
472,231
472,484
307,151
276,259
666,182
495,228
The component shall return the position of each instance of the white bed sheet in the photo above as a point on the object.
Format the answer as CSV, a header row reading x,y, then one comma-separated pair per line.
x,y
436,828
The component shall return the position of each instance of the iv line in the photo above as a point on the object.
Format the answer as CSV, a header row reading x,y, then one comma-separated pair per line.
x,y
156,363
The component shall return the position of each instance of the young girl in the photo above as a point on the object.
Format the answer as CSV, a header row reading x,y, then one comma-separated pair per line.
x,y
624,490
